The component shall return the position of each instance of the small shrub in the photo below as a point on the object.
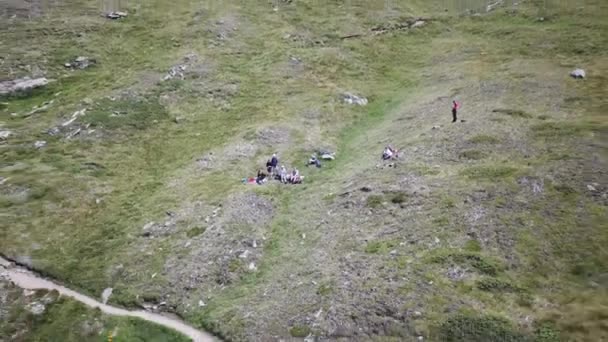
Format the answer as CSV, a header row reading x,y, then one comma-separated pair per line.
x,y
543,117
547,332
489,172
299,331
463,328
441,221
325,289
513,112
565,189
525,299
472,246
196,231
374,201
472,155
552,130
496,285
484,139
477,261
379,246
234,265
399,197
448,202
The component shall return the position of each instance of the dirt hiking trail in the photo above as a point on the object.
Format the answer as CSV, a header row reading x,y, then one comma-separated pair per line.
x,y
30,281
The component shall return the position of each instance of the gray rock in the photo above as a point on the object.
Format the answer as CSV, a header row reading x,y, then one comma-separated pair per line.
x,y
105,295
354,99
418,23
5,134
81,62
53,131
40,144
21,85
116,15
578,73
35,308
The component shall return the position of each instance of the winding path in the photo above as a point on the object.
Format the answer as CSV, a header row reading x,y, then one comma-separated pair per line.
x,y
28,280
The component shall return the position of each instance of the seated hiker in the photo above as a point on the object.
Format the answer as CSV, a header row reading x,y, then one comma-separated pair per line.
x,y
283,174
268,166
261,177
295,177
390,153
314,161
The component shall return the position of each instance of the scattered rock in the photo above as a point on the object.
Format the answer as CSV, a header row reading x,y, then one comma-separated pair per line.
x,y
578,73
43,108
75,116
252,267
366,189
418,23
436,127
5,134
40,144
36,308
105,295
354,99
21,85
116,15
201,303
81,62
179,71
591,187
53,131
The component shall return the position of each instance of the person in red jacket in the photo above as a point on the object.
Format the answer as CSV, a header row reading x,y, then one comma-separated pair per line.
x,y
455,106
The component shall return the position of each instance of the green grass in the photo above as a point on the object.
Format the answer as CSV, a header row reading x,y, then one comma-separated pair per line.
x,y
516,113
453,181
489,172
484,139
473,155
478,261
299,331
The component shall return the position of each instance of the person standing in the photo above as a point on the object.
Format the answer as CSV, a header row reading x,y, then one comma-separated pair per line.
x,y
455,106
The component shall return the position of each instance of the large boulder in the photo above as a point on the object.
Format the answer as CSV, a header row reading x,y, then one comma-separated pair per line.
x,y
21,85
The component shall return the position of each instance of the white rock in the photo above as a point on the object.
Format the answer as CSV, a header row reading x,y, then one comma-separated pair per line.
x,y
418,23
40,144
244,254
35,308
591,187
354,99
578,73
5,134
105,295
149,225
252,267
201,303
21,85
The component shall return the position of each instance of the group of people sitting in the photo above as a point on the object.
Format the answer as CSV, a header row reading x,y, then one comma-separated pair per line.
x,y
281,174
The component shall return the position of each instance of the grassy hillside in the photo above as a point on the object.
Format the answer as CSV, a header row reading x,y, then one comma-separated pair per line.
x,y
489,229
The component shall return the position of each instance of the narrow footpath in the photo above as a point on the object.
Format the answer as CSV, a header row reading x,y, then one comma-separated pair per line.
x,y
26,279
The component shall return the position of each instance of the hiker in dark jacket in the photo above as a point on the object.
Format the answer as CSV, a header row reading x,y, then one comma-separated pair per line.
x,y
274,162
